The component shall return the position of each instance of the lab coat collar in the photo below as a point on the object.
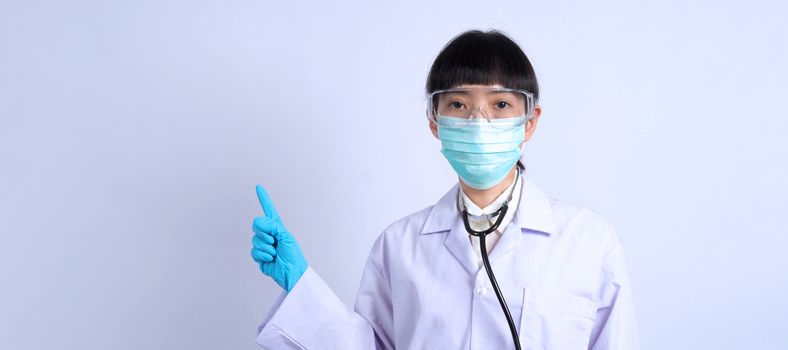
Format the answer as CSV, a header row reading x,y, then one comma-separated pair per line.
x,y
533,213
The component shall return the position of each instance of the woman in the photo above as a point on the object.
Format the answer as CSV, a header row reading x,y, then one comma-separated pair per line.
x,y
493,264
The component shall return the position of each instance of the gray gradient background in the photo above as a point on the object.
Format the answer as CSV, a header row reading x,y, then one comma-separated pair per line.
x,y
133,134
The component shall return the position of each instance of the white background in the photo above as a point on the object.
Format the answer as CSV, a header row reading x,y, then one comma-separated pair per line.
x,y
133,134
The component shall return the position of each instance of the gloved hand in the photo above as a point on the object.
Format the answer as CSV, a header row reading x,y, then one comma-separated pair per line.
x,y
274,248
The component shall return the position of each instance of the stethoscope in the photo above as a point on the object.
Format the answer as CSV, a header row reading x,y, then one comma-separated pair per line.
x,y
501,212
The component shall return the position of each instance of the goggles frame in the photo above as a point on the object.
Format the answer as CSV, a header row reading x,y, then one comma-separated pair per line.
x,y
432,113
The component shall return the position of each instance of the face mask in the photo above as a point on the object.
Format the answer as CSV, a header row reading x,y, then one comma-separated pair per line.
x,y
482,152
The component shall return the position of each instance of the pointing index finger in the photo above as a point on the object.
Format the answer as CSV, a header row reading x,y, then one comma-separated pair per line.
x,y
265,202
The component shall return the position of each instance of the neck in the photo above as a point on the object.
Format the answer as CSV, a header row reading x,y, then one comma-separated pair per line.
x,y
483,198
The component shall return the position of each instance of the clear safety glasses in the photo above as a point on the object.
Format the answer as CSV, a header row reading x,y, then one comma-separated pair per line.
x,y
490,104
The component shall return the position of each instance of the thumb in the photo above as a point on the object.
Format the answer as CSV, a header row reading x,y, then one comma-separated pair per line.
x,y
266,203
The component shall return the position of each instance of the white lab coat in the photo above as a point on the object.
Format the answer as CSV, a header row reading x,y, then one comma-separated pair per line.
x,y
560,267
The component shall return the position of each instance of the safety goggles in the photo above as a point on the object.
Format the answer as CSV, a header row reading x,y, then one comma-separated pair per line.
x,y
490,104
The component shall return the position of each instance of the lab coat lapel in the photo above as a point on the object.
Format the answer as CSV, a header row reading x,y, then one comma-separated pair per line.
x,y
445,218
459,244
512,235
533,213
511,239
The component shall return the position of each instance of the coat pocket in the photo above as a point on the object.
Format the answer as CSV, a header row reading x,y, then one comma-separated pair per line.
x,y
553,319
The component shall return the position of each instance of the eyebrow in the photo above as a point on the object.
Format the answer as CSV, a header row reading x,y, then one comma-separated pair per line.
x,y
449,93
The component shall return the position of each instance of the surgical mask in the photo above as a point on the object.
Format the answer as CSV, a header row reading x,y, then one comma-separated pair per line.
x,y
481,151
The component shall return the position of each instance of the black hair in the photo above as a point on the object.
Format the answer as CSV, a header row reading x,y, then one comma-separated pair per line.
x,y
484,58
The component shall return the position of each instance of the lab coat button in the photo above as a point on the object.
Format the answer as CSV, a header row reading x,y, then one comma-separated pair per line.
x,y
481,291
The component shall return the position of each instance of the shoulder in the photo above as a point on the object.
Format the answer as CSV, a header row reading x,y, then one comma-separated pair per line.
x,y
401,232
582,223
410,224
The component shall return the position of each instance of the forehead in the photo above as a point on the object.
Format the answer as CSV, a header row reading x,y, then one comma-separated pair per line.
x,y
478,91
477,86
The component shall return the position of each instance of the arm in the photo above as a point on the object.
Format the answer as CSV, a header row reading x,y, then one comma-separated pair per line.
x,y
311,316
615,325
308,315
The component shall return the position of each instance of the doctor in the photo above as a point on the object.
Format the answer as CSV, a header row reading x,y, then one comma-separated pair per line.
x,y
559,267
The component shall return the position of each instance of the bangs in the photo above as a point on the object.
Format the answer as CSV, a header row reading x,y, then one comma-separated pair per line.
x,y
483,58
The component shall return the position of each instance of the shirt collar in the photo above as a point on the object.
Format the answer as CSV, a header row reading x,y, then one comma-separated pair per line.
x,y
534,211
473,209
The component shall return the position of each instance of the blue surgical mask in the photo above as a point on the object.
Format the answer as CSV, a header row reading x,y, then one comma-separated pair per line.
x,y
482,152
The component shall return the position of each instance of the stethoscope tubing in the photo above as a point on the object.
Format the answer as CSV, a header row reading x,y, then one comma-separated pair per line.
x,y
486,260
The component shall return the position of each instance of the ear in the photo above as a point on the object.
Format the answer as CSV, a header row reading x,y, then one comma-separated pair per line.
x,y
434,128
530,126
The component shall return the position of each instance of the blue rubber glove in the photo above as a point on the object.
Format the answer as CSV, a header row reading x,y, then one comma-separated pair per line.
x,y
274,248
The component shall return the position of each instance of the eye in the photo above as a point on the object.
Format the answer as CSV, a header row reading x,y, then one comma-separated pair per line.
x,y
502,104
456,104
